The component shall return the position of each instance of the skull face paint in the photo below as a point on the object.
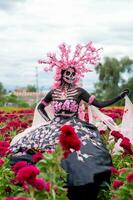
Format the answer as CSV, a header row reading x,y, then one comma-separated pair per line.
x,y
69,75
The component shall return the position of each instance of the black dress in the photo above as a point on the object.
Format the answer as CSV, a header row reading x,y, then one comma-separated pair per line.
x,y
86,166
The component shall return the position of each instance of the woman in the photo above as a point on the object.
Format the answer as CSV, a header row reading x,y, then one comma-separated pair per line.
x,y
90,167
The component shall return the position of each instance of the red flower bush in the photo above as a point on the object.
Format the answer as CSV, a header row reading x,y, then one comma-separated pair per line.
x,y
117,134
27,174
4,148
69,138
19,165
114,171
40,184
126,144
116,184
130,178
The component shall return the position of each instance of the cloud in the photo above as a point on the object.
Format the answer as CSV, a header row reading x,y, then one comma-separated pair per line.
x,y
31,28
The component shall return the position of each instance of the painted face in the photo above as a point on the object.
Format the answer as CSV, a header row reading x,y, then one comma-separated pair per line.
x,y
69,75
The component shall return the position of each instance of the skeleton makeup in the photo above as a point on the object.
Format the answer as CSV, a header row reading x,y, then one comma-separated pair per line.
x,y
69,75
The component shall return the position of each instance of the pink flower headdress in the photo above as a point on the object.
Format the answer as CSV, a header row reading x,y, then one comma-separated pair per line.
x,y
82,56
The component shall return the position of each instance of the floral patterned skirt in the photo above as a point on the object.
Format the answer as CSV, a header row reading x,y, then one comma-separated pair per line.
x,y
82,166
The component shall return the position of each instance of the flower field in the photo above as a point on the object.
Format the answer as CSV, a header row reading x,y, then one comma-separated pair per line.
x,y
45,179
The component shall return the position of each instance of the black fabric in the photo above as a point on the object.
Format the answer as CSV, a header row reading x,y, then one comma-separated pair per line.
x,y
85,96
93,157
86,192
90,191
82,166
27,157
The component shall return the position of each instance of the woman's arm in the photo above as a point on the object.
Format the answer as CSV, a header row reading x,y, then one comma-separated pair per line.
x,y
91,100
41,107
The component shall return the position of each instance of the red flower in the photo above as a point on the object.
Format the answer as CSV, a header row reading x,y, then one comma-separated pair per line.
x,y
37,157
117,134
27,173
47,186
114,171
122,170
19,165
115,196
117,184
69,139
126,144
22,198
24,125
4,148
38,183
130,177
17,198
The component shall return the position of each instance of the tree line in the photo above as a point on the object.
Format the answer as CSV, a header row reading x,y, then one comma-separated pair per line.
x,y
114,76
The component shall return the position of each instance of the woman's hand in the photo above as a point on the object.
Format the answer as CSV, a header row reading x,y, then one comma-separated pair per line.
x,y
124,93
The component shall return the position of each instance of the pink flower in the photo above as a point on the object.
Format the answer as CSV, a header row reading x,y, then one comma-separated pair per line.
x,y
122,170
116,184
130,178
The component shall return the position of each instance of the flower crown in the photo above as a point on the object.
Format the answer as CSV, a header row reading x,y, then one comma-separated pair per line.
x,y
79,60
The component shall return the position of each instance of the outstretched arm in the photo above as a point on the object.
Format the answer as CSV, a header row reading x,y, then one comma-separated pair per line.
x,y
91,100
41,107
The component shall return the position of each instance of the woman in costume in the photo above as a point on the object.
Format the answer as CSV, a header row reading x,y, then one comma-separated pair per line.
x,y
90,167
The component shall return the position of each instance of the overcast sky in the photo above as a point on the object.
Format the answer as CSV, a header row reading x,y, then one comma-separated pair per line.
x,y
30,28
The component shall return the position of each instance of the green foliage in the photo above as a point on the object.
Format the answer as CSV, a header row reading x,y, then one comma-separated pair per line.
x,y
111,81
2,89
50,171
13,100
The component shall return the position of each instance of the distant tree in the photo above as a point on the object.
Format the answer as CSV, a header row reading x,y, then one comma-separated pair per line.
x,y
31,88
129,85
2,89
111,80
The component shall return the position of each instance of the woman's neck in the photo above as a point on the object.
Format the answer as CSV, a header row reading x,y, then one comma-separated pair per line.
x,y
65,86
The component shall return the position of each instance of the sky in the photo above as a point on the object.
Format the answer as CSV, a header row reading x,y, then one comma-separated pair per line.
x,y
31,28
